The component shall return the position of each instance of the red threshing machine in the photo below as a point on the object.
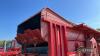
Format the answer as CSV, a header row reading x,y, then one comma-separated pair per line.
x,y
48,34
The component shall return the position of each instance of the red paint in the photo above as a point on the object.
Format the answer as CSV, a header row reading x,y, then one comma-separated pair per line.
x,y
63,37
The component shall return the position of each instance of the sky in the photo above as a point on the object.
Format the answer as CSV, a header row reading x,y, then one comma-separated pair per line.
x,y
13,12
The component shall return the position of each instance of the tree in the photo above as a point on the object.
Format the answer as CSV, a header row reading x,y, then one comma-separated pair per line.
x,y
98,29
2,43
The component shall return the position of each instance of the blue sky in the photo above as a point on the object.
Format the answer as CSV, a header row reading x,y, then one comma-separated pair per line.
x,y
13,12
